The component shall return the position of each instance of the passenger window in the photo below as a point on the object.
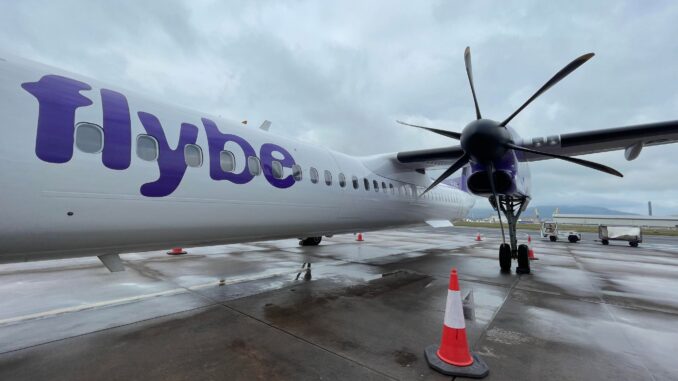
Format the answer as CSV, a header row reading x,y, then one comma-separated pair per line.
x,y
328,177
296,172
390,185
277,169
366,183
147,147
376,185
314,175
227,161
193,155
89,137
254,165
383,187
342,180
355,182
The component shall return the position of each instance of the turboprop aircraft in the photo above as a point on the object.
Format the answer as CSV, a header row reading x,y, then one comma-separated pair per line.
x,y
92,170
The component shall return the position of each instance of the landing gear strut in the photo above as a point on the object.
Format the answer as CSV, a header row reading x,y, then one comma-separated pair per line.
x,y
306,270
511,207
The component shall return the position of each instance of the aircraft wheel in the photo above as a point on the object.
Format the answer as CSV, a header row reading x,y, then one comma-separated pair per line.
x,y
523,260
310,241
505,257
605,242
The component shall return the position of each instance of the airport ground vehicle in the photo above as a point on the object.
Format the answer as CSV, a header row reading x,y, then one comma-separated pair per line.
x,y
632,234
550,230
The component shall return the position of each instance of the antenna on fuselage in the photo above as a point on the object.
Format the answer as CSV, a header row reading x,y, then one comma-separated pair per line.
x,y
266,125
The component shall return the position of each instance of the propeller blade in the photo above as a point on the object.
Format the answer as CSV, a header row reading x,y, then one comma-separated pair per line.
x,y
564,72
490,175
469,73
449,134
454,168
585,163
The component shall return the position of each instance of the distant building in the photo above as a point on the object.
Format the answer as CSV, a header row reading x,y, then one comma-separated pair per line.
x,y
620,220
495,219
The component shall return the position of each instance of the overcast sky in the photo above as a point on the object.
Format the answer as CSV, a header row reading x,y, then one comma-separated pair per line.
x,y
339,73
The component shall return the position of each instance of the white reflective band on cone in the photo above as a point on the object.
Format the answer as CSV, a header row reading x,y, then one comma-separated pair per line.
x,y
454,314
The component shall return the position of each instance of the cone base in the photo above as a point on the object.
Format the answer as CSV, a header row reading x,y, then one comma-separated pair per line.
x,y
476,370
176,253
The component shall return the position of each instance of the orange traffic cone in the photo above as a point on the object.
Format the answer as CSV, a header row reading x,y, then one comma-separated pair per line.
x,y
360,237
478,237
453,357
530,252
176,251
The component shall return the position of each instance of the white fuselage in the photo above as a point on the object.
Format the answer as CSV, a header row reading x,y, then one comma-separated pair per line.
x,y
81,207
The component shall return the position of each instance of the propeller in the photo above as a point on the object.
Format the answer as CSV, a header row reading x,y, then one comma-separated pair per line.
x,y
564,72
484,141
469,74
449,134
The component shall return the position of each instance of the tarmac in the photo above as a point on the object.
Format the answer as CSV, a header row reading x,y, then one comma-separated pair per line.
x,y
587,311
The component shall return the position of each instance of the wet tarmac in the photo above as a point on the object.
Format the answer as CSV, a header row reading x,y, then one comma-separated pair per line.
x,y
587,311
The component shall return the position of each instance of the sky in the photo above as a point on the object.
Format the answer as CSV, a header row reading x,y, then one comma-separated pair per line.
x,y
339,73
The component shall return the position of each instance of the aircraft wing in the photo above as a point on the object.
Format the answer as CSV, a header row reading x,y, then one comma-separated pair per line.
x,y
630,138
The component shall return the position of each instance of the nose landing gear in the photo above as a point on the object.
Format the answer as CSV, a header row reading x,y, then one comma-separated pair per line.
x,y
511,208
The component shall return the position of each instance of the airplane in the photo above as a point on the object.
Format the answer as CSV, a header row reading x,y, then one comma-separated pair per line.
x,y
92,170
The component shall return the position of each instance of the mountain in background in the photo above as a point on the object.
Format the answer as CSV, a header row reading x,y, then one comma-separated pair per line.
x,y
546,211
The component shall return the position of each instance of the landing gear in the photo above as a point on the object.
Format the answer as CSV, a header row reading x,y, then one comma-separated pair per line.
x,y
511,207
505,257
306,270
523,260
310,241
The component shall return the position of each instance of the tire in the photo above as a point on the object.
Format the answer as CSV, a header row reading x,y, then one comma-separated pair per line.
x,y
505,257
553,238
633,244
572,239
605,242
310,241
523,260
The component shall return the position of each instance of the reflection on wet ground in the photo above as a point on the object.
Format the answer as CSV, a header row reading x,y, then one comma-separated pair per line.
x,y
587,311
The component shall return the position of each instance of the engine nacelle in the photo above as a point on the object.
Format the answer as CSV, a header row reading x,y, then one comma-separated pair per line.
x,y
511,177
479,182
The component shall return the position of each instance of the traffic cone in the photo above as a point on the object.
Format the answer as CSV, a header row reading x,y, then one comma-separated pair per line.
x,y
176,251
530,252
478,237
453,357
360,237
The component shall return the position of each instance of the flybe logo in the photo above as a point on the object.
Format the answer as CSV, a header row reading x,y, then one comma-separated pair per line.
x,y
59,97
